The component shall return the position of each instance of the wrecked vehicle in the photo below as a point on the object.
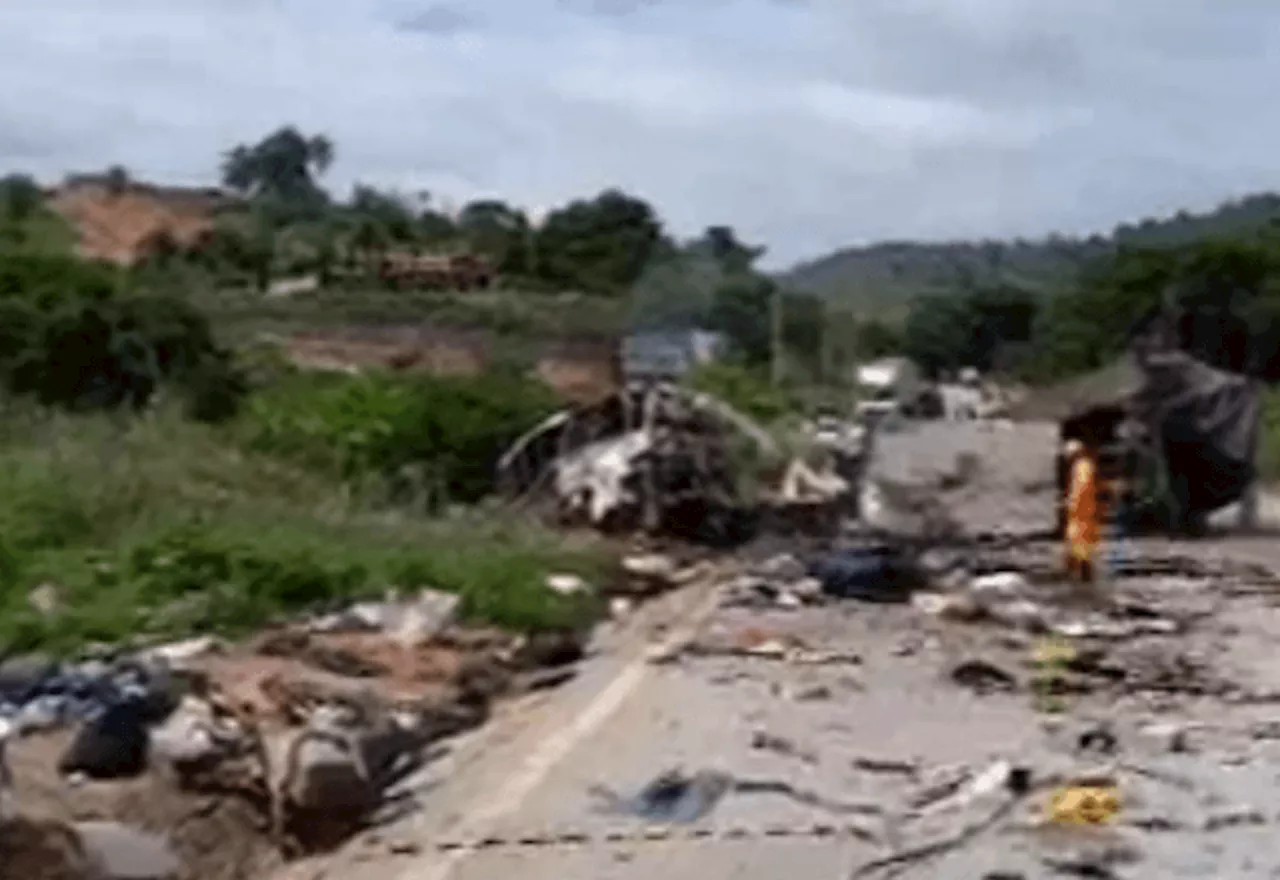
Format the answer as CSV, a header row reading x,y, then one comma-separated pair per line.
x,y
652,456
662,459
1178,437
1203,423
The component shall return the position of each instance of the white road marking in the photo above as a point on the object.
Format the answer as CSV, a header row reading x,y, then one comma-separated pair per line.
x,y
482,817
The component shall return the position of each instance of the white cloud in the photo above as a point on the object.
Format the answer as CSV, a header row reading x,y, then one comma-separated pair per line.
x,y
807,125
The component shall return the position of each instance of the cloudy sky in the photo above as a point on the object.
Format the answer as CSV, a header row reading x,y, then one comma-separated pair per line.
x,y
807,124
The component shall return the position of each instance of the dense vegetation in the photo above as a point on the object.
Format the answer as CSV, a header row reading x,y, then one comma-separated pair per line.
x,y
886,277
1225,290
164,480
160,483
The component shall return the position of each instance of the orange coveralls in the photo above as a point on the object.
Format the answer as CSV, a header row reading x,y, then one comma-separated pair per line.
x,y
1083,515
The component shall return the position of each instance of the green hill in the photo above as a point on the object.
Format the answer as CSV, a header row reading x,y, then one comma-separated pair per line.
x,y
885,277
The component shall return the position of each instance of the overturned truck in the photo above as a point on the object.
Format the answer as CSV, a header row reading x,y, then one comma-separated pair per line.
x,y
1180,435
1202,423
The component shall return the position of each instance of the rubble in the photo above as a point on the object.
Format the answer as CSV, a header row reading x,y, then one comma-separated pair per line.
x,y
305,727
877,573
321,773
567,584
117,852
413,620
113,745
672,797
36,693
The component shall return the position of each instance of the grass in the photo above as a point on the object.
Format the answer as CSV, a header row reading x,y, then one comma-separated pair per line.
x,y
1269,438
159,528
1051,660
510,315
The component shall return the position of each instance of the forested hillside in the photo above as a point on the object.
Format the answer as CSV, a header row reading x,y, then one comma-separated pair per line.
x,y
887,276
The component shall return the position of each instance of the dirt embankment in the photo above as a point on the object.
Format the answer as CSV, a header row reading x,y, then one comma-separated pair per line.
x,y
126,224
579,371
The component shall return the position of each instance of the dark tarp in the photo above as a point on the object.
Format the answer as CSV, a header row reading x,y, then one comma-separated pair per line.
x,y
1208,422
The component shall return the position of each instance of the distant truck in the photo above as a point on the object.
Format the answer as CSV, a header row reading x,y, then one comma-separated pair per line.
x,y
890,385
461,272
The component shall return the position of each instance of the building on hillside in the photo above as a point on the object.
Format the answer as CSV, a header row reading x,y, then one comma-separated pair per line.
x,y
667,355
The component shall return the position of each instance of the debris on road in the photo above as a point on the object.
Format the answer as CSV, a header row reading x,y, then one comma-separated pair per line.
x,y
114,745
887,766
672,797
983,677
765,741
285,744
764,643
1084,805
877,573
412,620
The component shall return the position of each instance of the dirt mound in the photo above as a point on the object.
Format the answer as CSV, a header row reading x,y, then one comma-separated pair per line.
x,y
421,348
38,849
217,837
125,225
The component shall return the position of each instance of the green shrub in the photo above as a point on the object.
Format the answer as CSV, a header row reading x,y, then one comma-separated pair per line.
x,y
1269,437
71,335
161,528
441,435
746,390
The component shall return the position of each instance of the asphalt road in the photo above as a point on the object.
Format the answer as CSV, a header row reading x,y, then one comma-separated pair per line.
x,y
516,799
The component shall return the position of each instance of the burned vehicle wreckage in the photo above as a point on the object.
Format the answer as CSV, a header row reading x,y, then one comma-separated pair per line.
x,y
651,456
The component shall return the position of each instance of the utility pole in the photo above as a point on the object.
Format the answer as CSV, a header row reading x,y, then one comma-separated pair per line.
x,y
775,322
825,344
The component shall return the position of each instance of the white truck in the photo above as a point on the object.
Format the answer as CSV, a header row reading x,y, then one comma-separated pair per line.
x,y
890,385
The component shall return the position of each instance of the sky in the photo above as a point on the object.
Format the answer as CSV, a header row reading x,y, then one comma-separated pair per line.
x,y
808,125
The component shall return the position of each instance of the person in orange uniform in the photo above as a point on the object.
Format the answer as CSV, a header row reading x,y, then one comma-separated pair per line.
x,y
1083,513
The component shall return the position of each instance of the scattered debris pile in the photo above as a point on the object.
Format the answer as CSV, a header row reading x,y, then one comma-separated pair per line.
x,y
651,456
237,757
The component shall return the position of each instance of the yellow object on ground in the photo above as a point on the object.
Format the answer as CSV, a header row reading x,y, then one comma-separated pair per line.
x,y
1052,653
1084,805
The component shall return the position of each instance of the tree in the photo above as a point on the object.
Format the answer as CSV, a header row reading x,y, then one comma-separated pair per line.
x,y
600,245
940,331
874,338
435,227
370,240
804,331
740,310
975,329
500,232
731,254
20,197
387,210
73,335
1003,318
283,167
